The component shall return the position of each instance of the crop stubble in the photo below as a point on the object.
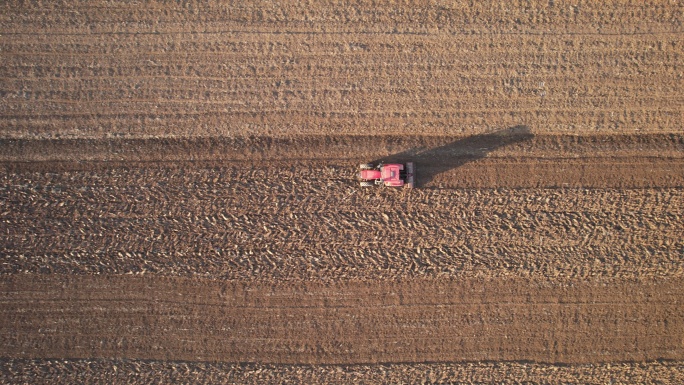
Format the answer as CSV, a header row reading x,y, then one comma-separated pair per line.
x,y
178,185
207,69
298,223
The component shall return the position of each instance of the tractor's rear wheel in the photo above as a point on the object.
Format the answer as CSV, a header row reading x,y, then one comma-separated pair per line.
x,y
366,166
366,183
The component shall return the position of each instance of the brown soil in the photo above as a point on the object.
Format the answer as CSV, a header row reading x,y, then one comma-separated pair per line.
x,y
126,371
342,321
292,222
178,198
510,158
93,69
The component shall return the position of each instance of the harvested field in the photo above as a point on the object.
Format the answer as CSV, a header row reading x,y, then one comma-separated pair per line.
x,y
96,69
300,223
137,371
178,199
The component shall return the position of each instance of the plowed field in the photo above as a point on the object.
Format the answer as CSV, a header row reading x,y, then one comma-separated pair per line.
x,y
178,199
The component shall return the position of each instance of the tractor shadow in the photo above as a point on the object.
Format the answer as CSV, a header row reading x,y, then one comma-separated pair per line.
x,y
431,162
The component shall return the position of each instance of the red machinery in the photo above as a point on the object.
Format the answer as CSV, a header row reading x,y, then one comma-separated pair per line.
x,y
393,174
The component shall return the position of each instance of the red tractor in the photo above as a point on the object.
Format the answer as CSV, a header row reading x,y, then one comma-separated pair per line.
x,y
393,174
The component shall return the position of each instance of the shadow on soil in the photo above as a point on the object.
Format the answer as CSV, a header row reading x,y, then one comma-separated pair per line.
x,y
434,161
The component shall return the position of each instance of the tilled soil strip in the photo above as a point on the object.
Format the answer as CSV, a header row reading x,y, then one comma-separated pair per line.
x,y
340,322
510,158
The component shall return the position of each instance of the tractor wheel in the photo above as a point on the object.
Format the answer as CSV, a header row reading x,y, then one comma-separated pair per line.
x,y
366,166
366,183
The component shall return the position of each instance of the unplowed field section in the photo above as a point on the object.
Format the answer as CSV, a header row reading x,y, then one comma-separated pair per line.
x,y
127,371
96,69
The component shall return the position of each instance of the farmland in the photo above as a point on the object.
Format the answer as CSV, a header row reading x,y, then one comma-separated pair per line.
x,y
178,198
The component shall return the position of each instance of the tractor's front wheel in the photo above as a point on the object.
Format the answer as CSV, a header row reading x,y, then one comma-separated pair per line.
x,y
366,166
366,183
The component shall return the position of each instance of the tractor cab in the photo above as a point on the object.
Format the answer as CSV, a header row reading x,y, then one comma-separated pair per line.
x,y
390,174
